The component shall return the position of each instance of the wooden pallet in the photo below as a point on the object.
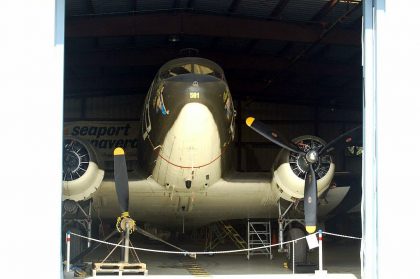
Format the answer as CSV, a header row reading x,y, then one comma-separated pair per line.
x,y
119,269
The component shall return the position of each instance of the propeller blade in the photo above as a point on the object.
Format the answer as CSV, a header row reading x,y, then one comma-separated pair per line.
x,y
121,178
269,134
336,141
310,203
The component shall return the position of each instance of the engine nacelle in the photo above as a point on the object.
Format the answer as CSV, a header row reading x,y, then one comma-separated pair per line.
x,y
290,169
82,174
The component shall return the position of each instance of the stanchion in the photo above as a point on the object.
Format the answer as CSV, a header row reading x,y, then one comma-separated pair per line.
x,y
68,251
293,255
320,250
320,272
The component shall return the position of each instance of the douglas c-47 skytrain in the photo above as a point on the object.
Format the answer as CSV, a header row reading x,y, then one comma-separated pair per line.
x,y
185,176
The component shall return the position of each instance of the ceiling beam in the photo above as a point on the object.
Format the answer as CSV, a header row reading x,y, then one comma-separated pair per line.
x,y
79,86
279,77
323,102
278,9
325,10
238,86
184,23
281,4
157,57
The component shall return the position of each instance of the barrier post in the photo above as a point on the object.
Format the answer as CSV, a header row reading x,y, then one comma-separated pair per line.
x,y
293,254
320,249
320,272
68,251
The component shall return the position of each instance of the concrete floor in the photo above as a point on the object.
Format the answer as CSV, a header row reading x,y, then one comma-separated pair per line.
x,y
341,260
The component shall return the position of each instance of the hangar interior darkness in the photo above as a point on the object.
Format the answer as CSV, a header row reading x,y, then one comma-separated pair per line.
x,y
293,64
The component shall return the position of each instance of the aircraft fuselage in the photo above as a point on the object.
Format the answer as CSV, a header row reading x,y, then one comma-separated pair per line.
x,y
187,125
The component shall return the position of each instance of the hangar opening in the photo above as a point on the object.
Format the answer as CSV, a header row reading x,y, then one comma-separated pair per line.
x,y
182,87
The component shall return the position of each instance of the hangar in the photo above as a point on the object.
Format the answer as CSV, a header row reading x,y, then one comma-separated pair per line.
x,y
295,65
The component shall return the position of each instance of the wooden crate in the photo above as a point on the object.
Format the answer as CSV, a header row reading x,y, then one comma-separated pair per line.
x,y
119,269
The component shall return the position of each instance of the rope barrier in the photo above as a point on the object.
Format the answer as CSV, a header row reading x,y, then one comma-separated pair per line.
x,y
342,235
185,253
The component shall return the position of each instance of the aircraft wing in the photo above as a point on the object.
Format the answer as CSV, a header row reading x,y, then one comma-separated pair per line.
x,y
239,196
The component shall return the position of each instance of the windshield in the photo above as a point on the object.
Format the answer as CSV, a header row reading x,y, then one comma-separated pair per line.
x,y
190,67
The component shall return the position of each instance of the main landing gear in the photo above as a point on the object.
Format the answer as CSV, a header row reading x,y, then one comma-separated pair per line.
x,y
291,229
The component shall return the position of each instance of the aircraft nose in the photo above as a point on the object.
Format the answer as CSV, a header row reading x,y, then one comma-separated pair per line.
x,y
180,90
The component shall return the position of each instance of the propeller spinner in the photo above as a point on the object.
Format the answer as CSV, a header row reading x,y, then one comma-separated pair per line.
x,y
311,157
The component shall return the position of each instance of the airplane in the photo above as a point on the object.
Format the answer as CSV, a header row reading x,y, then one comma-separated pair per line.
x,y
185,176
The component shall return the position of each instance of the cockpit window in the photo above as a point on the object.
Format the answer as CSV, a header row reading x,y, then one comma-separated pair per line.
x,y
204,70
189,69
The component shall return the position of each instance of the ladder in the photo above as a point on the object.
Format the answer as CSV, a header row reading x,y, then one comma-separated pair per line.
x,y
219,231
259,234
234,235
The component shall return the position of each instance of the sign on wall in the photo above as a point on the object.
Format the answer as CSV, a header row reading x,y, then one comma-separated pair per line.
x,y
105,136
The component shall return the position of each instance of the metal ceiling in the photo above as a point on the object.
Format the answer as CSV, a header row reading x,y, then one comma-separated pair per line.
x,y
294,51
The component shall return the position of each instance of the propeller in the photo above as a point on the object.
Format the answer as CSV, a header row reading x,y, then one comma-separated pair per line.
x,y
311,157
125,222
121,178
310,200
121,187
271,135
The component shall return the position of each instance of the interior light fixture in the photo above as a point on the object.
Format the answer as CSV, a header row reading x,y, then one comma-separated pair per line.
x,y
173,38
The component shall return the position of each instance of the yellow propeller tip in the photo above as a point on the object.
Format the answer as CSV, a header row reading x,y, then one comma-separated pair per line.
x,y
249,121
118,151
310,229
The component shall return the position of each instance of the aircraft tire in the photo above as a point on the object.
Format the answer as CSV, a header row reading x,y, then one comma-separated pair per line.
x,y
300,246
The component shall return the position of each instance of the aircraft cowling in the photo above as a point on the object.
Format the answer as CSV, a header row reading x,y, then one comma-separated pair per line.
x,y
289,169
82,174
